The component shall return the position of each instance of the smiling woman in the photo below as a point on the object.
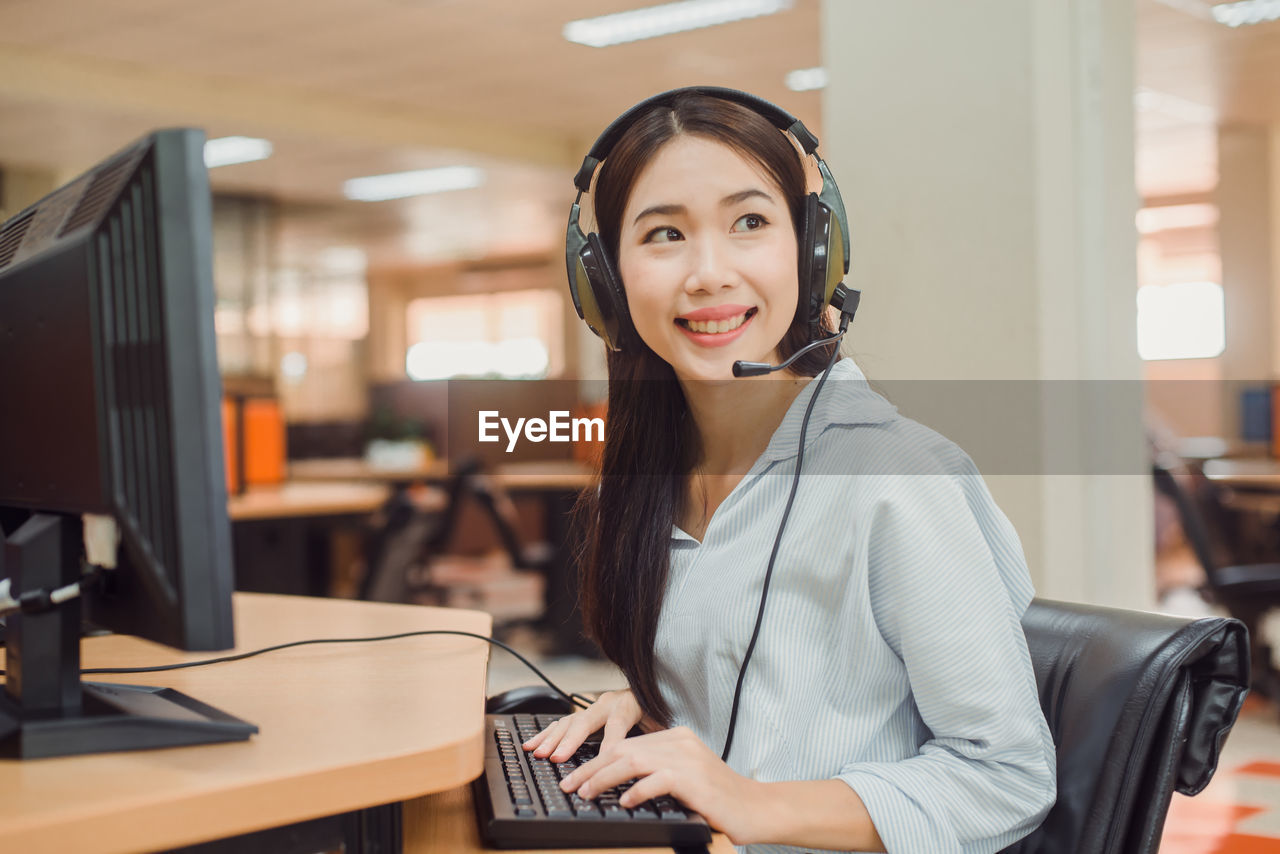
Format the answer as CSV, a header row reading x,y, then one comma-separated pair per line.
x,y
891,704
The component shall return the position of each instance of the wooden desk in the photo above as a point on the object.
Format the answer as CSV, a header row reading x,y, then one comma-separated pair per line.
x,y
527,476
446,822
545,476
289,500
302,538
1203,448
555,484
359,469
343,727
1248,473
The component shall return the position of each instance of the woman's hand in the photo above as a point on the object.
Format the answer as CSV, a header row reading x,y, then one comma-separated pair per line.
x,y
616,711
675,762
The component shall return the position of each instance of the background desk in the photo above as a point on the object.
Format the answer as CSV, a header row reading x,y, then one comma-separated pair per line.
x,y
299,537
292,500
360,469
343,727
516,476
553,484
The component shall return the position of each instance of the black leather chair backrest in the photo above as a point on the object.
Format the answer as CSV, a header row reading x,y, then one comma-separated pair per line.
x,y
1139,705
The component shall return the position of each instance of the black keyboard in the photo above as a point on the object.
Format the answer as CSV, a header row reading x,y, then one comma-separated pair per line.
x,y
520,804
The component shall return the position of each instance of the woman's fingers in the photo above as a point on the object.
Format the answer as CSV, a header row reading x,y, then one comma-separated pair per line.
x,y
611,770
615,730
536,740
646,789
581,725
562,739
548,739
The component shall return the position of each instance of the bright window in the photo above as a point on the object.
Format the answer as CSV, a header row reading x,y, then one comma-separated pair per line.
x,y
1181,321
510,334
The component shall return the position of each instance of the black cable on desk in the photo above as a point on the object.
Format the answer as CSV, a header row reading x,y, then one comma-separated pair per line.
x,y
577,700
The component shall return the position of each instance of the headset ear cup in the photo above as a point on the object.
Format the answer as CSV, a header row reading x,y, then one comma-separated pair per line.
x,y
837,254
606,286
805,252
816,250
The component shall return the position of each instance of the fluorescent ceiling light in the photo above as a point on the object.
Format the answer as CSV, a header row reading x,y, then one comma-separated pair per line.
x,y
666,19
228,150
400,185
806,79
1246,12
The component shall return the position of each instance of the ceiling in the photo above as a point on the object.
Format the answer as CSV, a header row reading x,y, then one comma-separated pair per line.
x,y
345,88
1198,74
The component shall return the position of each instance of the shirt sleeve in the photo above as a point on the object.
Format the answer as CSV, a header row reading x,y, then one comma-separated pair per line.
x,y
949,604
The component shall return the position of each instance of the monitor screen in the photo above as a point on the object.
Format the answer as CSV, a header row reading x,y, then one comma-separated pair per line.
x,y
110,426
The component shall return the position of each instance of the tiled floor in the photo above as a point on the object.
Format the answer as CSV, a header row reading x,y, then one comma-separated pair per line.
x,y
1237,813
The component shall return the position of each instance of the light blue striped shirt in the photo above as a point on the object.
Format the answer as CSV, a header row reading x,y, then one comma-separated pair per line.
x,y
891,655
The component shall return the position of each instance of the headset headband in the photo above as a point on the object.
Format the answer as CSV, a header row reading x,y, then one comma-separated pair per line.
x,y
604,144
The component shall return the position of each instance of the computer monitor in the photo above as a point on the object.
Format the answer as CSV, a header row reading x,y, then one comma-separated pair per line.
x,y
110,435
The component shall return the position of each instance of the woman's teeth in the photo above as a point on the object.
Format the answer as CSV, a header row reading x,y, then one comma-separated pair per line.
x,y
727,325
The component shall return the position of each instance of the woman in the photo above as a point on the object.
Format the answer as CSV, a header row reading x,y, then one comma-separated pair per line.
x,y
889,703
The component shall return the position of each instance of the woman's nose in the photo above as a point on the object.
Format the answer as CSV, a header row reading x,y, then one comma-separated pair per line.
x,y
713,267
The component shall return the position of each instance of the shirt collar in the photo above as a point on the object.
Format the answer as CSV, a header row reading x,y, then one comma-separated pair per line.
x,y
846,398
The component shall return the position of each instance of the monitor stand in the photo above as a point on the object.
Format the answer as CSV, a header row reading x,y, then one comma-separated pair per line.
x,y
45,710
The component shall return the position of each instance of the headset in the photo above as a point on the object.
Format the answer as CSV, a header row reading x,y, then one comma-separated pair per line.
x,y
594,282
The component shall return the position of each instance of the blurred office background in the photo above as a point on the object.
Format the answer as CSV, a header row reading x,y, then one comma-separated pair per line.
x,y
1079,198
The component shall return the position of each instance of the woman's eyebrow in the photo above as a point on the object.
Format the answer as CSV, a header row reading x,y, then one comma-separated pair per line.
x,y
743,195
728,201
662,210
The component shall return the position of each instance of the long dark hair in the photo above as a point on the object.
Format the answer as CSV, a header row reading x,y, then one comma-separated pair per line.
x,y
650,447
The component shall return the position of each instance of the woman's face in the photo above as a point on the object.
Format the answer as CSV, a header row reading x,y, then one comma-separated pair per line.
x,y
707,256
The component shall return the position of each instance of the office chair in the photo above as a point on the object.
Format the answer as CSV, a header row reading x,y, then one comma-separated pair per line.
x,y
1139,705
1247,591
407,536
410,540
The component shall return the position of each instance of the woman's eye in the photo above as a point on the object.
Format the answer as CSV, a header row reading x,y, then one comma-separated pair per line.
x,y
665,234
749,222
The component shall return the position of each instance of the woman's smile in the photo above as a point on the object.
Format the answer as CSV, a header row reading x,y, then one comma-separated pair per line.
x,y
715,327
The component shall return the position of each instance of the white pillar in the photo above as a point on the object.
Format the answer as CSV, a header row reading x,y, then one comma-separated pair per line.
x,y
985,152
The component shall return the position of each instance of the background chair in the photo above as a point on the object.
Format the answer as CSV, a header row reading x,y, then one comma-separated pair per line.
x,y
410,558
406,536
1139,705
1247,591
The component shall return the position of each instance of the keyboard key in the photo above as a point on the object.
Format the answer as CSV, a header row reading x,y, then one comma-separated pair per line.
x,y
584,809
